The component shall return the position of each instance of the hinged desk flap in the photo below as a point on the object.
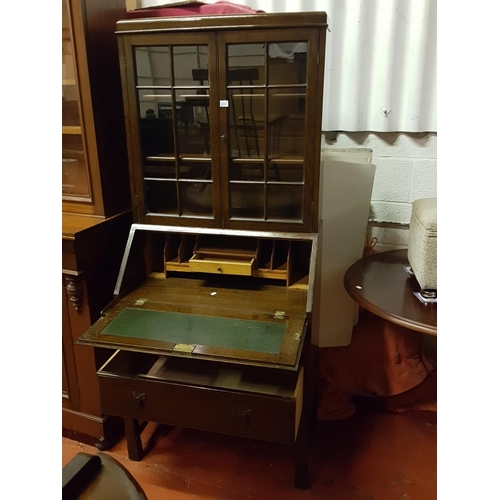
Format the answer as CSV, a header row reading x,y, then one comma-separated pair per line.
x,y
199,318
235,296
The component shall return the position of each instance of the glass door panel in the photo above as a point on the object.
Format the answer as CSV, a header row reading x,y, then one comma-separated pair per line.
x,y
173,98
75,179
75,176
153,66
156,133
285,171
246,118
193,122
246,170
196,198
266,86
284,201
287,63
247,200
161,196
286,123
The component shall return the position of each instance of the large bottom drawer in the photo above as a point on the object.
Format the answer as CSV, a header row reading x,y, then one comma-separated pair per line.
x,y
256,402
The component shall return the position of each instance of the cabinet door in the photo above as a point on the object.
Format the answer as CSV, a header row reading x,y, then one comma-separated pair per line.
x,y
75,173
94,164
224,128
171,100
269,87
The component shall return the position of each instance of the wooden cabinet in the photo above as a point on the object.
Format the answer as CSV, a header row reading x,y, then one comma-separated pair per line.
x,y
96,214
224,119
91,256
211,317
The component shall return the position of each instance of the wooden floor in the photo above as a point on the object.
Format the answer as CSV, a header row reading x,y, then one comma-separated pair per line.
x,y
369,456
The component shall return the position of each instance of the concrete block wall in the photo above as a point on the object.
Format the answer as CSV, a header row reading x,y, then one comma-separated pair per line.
x,y
406,170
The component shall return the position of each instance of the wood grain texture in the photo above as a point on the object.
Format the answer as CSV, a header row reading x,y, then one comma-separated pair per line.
x,y
380,284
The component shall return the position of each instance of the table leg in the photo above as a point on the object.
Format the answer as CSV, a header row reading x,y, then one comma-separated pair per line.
x,y
133,436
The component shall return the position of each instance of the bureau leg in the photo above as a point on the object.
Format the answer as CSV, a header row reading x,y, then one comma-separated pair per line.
x,y
308,416
133,435
301,452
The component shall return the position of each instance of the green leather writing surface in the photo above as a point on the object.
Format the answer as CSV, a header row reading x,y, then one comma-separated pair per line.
x,y
229,333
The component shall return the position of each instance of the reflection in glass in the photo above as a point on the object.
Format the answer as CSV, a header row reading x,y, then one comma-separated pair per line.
x,y
153,66
70,111
188,59
287,122
155,103
284,201
74,168
267,129
155,107
243,56
246,171
246,70
160,169
161,197
287,63
174,128
285,172
193,121
195,170
246,200
246,119
196,198
75,177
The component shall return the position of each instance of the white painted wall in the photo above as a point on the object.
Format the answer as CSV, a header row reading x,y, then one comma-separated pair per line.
x,y
406,170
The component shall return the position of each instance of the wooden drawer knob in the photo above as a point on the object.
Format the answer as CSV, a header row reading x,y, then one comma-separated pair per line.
x,y
246,417
138,398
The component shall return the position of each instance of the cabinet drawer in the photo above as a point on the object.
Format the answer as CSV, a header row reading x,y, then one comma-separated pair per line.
x,y
254,402
221,265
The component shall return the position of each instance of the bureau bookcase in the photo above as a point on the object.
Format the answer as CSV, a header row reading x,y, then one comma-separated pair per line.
x,y
210,324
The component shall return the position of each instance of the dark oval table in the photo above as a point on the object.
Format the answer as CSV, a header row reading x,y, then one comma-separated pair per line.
x,y
380,284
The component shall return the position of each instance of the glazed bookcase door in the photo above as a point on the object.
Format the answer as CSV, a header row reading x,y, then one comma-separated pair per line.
x,y
75,172
171,95
94,162
269,125
224,126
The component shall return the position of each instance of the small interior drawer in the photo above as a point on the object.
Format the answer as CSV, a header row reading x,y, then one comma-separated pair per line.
x,y
256,402
241,265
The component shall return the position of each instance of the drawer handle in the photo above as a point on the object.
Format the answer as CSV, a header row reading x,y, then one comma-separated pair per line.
x,y
219,269
139,398
246,417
